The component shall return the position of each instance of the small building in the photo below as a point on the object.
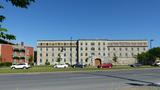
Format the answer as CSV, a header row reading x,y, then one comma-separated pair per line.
x,y
15,53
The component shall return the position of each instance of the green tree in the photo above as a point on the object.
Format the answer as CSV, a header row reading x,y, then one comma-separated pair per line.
x,y
115,58
16,3
31,59
59,58
149,57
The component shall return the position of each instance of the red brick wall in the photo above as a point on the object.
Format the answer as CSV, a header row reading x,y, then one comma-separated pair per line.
x,y
7,53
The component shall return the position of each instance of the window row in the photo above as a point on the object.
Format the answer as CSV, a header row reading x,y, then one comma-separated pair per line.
x,y
64,54
56,44
93,43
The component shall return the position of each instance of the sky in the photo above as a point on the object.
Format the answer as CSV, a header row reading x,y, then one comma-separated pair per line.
x,y
84,19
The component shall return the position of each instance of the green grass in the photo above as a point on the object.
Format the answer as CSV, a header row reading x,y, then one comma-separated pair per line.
x,y
37,69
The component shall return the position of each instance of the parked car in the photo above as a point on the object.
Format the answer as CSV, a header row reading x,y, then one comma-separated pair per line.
x,y
156,64
105,65
136,65
60,66
20,66
78,66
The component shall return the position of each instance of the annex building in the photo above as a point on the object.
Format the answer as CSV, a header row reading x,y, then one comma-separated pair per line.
x,y
90,51
15,53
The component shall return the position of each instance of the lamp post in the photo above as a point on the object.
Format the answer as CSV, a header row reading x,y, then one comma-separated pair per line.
x,y
151,43
71,51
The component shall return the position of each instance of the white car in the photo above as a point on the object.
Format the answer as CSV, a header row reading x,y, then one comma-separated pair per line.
x,y
20,66
61,66
158,64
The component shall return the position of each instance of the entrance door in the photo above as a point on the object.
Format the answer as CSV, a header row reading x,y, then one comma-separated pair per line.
x,y
97,62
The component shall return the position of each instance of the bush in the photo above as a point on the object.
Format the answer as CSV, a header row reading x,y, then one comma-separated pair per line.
x,y
47,63
5,64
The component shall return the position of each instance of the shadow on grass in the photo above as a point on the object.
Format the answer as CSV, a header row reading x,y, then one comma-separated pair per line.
x,y
147,83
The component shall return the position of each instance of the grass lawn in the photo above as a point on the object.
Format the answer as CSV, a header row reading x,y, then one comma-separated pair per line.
x,y
51,69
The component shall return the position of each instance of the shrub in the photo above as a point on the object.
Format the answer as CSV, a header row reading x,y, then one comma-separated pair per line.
x,y
47,63
7,64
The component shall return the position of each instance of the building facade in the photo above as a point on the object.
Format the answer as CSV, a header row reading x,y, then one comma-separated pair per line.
x,y
12,53
90,51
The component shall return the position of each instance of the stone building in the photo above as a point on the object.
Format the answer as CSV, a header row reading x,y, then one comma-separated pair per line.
x,y
90,51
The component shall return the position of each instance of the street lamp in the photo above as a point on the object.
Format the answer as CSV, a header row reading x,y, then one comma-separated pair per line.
x,y
71,51
151,43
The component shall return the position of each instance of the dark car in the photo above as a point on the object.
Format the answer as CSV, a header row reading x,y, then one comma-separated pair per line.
x,y
105,65
78,66
136,65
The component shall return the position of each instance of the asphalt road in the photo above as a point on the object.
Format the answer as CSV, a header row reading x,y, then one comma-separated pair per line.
x,y
100,80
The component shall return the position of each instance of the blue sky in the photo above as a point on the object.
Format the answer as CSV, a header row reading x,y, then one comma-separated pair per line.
x,y
84,19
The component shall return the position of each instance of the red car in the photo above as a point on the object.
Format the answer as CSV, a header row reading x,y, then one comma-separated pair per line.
x,y
105,65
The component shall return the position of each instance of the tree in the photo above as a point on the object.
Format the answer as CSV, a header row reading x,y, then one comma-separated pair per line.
x,y
16,3
59,58
31,60
149,57
115,58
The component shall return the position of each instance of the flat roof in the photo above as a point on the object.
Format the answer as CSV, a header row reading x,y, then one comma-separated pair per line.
x,y
99,40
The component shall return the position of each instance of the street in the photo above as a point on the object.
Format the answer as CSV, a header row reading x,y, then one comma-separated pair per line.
x,y
99,80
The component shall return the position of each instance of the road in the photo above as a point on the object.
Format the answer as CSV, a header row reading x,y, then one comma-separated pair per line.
x,y
99,80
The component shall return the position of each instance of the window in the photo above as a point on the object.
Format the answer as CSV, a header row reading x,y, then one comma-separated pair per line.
x,y
126,54
92,43
52,49
104,54
40,49
81,54
126,49
52,60
47,44
104,43
114,49
86,49
99,53
92,53
120,49
59,49
41,44
40,60
132,49
144,49
138,49
92,48
52,54
81,48
64,59
99,43
104,48
86,43
109,54
114,54
120,54
132,54
46,60
81,43
40,54
46,49
86,54
64,54
99,48
47,54
108,49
